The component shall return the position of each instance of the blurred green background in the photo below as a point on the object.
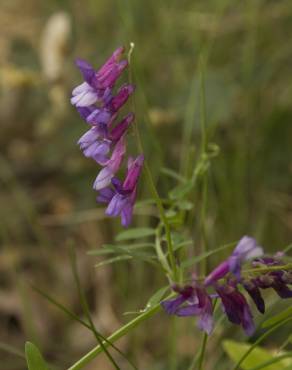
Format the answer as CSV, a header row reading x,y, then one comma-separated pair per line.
x,y
46,198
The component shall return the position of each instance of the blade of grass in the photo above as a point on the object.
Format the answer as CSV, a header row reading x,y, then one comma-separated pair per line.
x,y
73,316
85,307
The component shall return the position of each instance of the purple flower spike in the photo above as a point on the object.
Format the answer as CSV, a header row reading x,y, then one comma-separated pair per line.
x,y
97,105
245,250
111,166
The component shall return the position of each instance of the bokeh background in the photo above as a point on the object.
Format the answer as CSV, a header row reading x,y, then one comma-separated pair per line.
x,y
46,197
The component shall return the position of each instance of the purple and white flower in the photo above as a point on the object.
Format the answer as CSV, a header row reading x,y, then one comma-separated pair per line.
x,y
245,250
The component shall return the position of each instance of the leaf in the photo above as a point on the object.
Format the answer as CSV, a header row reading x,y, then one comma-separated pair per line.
x,y
181,190
278,318
114,248
171,173
191,261
136,233
34,358
236,350
113,260
10,349
157,296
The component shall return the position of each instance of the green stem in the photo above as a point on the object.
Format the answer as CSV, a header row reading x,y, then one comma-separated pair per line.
x,y
204,248
202,353
265,364
288,266
153,188
115,336
259,340
86,310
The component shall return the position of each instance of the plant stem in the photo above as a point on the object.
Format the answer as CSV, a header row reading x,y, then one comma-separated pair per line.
x,y
202,352
204,248
115,336
153,187
259,340
85,308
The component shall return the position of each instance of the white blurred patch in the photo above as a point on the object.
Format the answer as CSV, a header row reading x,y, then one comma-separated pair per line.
x,y
55,45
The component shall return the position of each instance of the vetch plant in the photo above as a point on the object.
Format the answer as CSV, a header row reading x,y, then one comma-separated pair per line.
x,y
231,286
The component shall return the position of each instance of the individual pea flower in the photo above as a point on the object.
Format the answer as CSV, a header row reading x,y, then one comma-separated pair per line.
x,y
121,198
254,292
236,307
276,280
192,300
108,112
97,142
111,166
98,83
245,250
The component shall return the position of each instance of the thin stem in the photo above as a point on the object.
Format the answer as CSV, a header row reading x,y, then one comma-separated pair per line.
x,y
86,308
153,187
259,340
202,353
204,248
73,316
116,335
265,364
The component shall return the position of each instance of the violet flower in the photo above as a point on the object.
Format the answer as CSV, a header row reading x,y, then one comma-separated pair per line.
x,y
121,198
97,82
111,166
236,308
97,142
254,292
108,112
245,250
192,301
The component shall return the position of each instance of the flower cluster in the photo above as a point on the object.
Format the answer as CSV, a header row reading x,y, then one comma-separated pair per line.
x,y
227,283
105,142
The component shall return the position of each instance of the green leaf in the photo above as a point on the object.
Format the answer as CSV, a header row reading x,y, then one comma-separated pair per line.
x,y
236,350
34,358
139,232
278,318
113,260
181,190
114,248
173,174
190,261
157,296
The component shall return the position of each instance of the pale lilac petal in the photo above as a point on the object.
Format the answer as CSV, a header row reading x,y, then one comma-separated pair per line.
x,y
127,214
103,179
84,87
206,322
84,99
116,205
